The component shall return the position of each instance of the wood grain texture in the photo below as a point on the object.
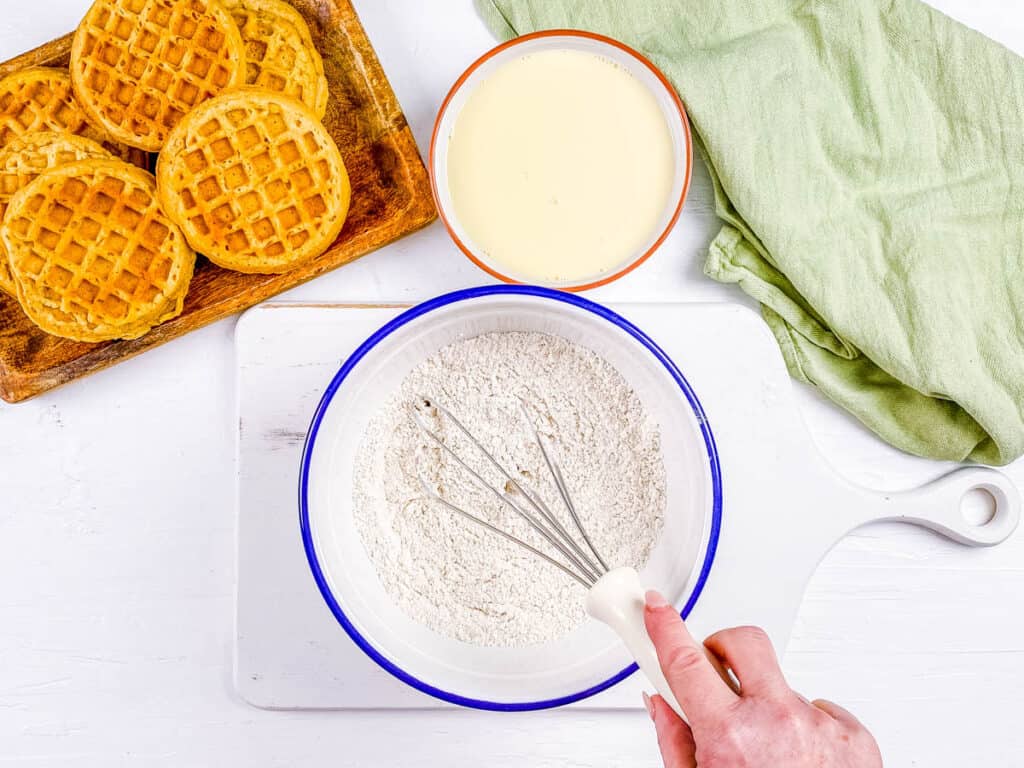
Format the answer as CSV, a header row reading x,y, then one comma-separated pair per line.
x,y
390,198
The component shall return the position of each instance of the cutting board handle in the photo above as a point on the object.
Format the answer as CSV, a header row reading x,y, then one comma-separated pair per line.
x,y
938,505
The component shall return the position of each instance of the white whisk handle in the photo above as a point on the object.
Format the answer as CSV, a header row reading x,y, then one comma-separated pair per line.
x,y
617,599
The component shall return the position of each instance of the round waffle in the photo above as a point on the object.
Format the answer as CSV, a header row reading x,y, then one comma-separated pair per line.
x,y
24,159
40,99
279,51
254,181
6,280
93,255
138,66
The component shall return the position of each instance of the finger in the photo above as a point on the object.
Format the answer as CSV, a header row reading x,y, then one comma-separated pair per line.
x,y
675,739
836,712
702,694
723,672
748,652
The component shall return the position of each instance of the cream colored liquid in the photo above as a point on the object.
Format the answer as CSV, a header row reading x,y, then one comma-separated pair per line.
x,y
560,166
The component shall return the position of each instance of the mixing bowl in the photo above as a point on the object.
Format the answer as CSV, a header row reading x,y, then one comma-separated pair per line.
x,y
623,56
587,660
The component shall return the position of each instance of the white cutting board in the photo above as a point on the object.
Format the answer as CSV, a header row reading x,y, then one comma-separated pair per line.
x,y
783,507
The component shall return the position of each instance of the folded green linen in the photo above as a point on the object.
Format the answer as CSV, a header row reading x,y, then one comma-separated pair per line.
x,y
868,162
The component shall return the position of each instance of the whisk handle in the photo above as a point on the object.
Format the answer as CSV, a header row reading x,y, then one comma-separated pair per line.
x,y
617,599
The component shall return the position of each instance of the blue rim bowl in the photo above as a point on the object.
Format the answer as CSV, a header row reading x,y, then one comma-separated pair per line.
x,y
386,330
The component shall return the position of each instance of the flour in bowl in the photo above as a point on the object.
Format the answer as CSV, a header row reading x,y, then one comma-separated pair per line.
x,y
449,573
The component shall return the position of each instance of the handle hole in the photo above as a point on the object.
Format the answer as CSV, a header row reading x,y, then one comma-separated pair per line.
x,y
978,507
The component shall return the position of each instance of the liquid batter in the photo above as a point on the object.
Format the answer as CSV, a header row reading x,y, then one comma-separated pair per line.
x,y
561,166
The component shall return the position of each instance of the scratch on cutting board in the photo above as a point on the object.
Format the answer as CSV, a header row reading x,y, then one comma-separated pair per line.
x,y
284,438
98,659
53,730
316,364
41,686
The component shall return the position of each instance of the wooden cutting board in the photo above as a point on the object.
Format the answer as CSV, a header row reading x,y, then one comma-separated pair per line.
x,y
390,198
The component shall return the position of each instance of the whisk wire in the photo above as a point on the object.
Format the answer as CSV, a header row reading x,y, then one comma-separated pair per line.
x,y
544,522
504,534
534,499
563,489
538,526
538,503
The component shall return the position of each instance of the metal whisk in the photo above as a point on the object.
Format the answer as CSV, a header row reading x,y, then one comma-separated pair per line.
x,y
582,562
614,595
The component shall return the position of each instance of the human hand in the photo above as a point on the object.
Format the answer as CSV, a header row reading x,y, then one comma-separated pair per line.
x,y
762,723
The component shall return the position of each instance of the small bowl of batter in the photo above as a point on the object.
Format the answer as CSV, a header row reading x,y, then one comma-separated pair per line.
x,y
561,158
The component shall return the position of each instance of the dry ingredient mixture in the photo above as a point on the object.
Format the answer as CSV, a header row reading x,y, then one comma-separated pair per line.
x,y
450,574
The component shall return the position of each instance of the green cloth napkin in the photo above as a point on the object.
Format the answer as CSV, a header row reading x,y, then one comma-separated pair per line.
x,y
868,163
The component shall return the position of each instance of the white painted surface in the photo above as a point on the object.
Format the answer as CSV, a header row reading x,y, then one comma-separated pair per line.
x,y
117,554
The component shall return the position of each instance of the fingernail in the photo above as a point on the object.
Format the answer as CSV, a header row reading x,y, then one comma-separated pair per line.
x,y
649,704
655,600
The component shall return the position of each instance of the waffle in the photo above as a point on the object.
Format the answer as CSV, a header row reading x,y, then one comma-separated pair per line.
x,y
40,99
279,51
93,255
6,279
138,66
24,159
255,182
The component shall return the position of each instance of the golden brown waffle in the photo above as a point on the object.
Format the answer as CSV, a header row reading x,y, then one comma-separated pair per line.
x,y
24,159
6,280
93,255
279,51
138,66
255,182
40,99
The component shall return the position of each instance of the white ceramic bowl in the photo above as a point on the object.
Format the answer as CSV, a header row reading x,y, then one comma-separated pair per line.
x,y
631,61
589,659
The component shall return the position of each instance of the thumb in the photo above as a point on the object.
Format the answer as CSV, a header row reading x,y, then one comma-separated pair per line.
x,y
675,739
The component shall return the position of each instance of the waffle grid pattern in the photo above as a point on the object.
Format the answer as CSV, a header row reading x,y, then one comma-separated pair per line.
x,y
38,99
141,65
24,159
254,185
91,248
279,51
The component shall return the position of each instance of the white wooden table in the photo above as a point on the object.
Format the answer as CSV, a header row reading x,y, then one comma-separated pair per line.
x,y
117,551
